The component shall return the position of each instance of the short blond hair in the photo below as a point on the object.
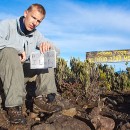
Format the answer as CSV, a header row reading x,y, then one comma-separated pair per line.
x,y
39,7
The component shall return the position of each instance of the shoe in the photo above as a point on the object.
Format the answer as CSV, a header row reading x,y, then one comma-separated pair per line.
x,y
15,115
41,104
51,97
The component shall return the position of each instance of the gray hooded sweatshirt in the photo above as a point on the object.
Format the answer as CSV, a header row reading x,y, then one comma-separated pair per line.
x,y
11,35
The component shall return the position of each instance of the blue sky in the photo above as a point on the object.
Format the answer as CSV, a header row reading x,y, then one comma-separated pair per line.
x,y
80,26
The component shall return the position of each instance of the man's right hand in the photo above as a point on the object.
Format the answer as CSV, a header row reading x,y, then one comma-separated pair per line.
x,y
23,56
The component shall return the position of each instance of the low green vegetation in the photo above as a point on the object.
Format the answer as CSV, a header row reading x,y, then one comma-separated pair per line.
x,y
80,77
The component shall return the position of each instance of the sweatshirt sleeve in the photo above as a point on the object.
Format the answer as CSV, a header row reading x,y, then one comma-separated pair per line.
x,y
5,40
41,39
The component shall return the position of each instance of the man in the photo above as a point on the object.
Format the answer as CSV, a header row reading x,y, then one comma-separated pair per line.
x,y
18,38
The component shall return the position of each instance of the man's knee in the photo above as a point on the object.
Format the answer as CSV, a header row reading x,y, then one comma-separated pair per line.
x,y
9,53
8,50
10,60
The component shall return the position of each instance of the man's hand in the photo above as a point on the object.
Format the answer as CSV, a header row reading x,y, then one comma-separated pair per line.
x,y
22,56
45,46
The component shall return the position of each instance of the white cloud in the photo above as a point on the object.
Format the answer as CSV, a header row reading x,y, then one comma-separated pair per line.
x,y
78,19
6,16
78,29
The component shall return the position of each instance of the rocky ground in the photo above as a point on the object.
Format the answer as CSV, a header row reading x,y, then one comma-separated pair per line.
x,y
108,111
111,112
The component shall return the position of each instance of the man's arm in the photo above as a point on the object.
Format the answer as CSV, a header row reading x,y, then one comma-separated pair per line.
x,y
4,34
7,37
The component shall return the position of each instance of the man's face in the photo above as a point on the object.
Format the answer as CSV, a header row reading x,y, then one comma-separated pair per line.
x,y
32,19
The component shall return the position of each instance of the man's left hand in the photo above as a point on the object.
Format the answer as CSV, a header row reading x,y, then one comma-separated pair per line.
x,y
44,46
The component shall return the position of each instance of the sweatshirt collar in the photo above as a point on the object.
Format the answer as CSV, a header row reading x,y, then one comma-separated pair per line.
x,y
21,27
